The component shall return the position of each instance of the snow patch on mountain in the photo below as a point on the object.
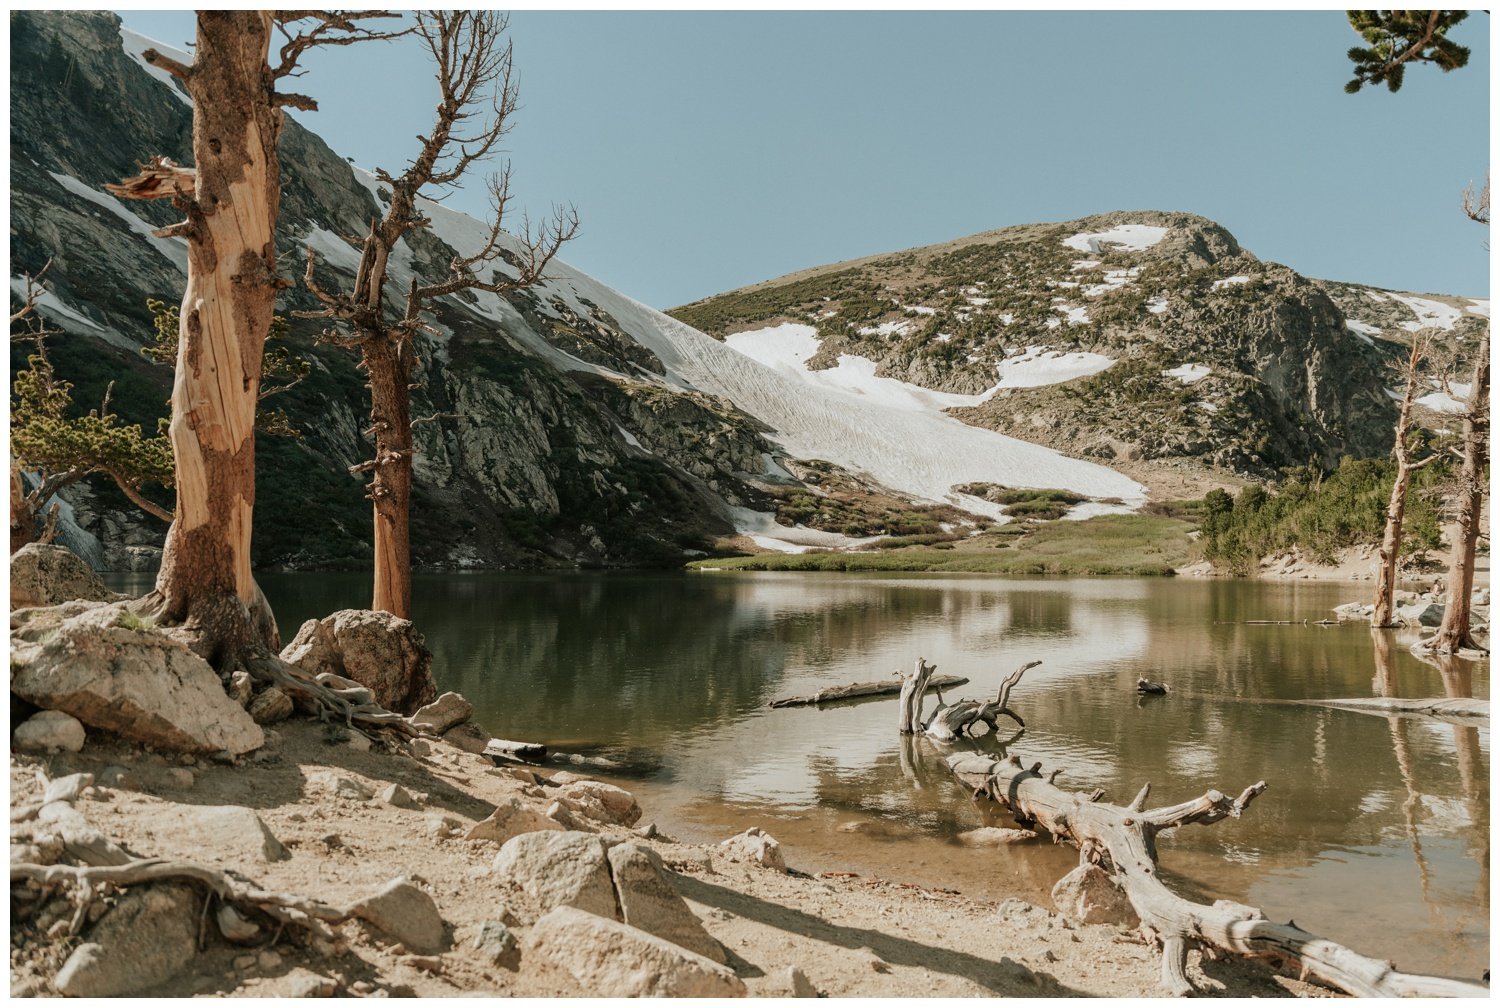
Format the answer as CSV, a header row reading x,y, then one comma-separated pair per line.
x,y
1189,374
173,249
1430,314
1131,237
1453,399
1038,365
1479,306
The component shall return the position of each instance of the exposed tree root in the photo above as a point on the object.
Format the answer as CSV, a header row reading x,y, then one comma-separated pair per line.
x,y
250,906
1122,841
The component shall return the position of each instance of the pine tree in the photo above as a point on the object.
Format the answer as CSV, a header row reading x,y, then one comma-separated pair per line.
x,y
58,448
1397,38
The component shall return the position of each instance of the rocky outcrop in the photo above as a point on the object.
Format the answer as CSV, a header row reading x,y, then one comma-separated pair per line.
x,y
375,649
611,959
105,668
44,575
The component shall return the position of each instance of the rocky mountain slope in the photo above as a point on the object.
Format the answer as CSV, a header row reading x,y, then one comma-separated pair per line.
x,y
575,425
1124,336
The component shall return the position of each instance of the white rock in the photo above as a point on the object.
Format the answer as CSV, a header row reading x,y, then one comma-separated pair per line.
x,y
50,730
610,959
559,869
648,901
447,711
759,846
511,818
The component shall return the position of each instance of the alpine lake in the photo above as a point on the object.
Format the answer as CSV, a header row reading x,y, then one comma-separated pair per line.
x,y
1374,830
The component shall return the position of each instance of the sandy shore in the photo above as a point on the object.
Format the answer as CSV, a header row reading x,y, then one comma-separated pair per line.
x,y
850,935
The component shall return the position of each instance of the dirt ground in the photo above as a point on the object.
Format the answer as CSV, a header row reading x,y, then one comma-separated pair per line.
x,y
850,935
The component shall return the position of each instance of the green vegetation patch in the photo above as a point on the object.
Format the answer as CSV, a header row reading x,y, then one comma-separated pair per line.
x,y
1129,545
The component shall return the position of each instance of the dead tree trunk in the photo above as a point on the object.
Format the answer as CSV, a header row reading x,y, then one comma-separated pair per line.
x,y
388,362
231,199
913,692
1121,840
1454,634
1395,511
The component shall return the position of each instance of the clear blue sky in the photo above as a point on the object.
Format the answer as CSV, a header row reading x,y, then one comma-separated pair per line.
x,y
709,151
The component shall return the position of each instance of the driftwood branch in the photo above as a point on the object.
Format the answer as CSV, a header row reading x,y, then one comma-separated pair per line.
x,y
853,691
1122,842
159,178
955,720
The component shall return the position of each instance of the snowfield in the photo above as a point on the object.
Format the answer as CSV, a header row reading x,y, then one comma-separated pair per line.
x,y
1038,365
895,433
1131,237
136,44
1455,399
1430,314
1189,374
1228,281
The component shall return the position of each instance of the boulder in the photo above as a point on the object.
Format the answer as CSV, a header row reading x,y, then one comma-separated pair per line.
x,y
600,802
397,797
269,706
559,869
496,946
759,846
648,901
47,731
1419,613
138,683
44,575
406,914
374,649
510,819
145,940
468,736
1087,895
447,711
241,687
610,959
339,786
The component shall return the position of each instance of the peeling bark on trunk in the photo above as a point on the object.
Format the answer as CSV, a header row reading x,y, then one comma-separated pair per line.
x,y
1122,841
1454,634
388,362
226,316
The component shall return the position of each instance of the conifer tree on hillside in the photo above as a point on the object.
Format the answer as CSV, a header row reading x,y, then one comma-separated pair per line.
x,y
1397,37
472,64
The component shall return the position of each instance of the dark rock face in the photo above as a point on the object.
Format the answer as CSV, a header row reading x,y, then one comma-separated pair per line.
x,y
529,465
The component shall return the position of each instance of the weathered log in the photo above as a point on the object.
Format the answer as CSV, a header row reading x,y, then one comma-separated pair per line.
x,y
1441,707
951,721
499,748
852,691
1122,841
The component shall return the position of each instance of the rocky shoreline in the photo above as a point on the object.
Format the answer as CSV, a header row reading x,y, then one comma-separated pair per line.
x,y
466,905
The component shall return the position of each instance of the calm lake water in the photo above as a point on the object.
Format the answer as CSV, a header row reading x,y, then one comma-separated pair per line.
x,y
1374,830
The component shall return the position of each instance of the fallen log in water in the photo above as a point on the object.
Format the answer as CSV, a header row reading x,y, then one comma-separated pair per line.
x,y
497,748
952,721
1442,707
1121,841
864,689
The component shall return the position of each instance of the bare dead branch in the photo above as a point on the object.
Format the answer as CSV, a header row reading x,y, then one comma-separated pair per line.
x,y
159,178
167,63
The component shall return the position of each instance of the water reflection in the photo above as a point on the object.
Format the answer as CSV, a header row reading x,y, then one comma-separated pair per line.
x,y
1374,830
